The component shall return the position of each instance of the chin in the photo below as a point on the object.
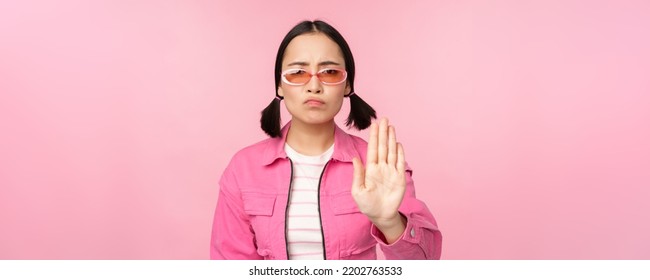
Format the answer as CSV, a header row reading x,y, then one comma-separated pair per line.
x,y
317,120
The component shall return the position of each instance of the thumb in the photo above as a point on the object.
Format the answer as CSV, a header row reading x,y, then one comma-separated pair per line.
x,y
359,175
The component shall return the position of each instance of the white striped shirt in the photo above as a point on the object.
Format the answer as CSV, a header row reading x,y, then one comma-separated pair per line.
x,y
304,237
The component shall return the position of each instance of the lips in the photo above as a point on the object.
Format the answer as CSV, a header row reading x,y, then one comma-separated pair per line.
x,y
314,101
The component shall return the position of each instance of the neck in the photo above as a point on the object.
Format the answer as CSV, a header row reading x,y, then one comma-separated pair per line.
x,y
310,139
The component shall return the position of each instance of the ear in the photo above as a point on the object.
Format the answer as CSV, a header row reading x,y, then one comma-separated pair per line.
x,y
280,92
347,89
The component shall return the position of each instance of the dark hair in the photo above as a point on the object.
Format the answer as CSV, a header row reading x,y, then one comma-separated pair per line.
x,y
360,112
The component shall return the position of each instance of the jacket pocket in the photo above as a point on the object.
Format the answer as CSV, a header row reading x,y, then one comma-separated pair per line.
x,y
256,204
368,252
355,241
260,207
343,203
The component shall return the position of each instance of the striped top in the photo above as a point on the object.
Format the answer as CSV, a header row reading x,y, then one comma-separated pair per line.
x,y
304,237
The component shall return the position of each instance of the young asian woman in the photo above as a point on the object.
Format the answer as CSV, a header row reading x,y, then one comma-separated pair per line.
x,y
311,190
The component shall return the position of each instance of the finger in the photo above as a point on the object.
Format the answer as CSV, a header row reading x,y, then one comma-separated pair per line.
x,y
382,149
401,162
359,175
392,146
371,156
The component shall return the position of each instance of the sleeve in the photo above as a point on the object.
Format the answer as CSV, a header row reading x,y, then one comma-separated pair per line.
x,y
232,235
421,238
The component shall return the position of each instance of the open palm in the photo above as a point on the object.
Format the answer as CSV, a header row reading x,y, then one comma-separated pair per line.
x,y
378,188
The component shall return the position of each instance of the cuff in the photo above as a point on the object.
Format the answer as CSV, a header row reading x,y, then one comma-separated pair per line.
x,y
410,236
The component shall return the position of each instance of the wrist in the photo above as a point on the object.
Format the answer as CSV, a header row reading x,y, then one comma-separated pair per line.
x,y
387,223
391,228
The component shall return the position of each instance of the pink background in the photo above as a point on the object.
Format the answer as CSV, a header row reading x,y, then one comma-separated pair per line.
x,y
527,122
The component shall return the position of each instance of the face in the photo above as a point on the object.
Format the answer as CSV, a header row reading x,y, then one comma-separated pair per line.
x,y
313,102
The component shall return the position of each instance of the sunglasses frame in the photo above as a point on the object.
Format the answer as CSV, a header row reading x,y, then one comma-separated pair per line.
x,y
285,72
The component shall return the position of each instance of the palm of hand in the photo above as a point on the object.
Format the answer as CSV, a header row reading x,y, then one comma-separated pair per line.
x,y
378,189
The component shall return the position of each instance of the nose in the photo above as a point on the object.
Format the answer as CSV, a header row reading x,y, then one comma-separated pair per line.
x,y
314,85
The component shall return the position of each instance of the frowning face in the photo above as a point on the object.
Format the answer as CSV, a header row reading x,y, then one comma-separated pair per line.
x,y
314,83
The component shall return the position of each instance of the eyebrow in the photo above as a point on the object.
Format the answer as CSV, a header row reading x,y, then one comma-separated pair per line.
x,y
302,63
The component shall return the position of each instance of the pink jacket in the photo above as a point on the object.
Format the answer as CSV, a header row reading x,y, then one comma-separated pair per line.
x,y
249,221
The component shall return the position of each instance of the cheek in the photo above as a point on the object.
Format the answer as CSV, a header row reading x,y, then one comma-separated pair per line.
x,y
339,104
290,91
336,103
340,95
291,99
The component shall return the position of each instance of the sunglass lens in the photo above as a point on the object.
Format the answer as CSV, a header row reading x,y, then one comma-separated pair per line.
x,y
331,76
298,77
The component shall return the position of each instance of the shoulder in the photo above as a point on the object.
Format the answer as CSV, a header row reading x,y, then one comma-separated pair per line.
x,y
351,146
244,163
253,152
359,143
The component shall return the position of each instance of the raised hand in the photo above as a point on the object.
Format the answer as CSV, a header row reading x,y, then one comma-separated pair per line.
x,y
378,188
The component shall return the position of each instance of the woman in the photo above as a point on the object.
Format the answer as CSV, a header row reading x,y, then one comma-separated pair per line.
x,y
312,191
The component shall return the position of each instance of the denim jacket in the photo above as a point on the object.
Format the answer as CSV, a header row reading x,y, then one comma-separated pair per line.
x,y
249,221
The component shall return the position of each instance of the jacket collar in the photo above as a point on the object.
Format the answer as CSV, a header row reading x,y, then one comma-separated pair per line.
x,y
344,149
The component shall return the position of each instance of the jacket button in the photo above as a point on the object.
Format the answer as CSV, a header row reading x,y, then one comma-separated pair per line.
x,y
412,232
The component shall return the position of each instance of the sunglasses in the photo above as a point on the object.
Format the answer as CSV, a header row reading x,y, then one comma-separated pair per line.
x,y
327,76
